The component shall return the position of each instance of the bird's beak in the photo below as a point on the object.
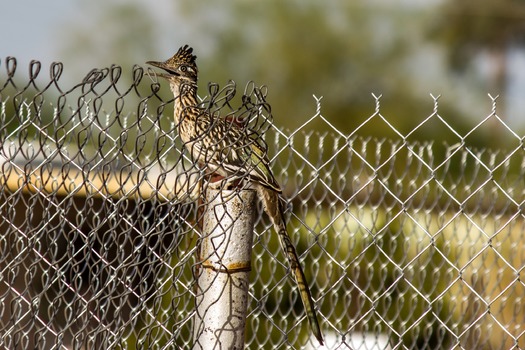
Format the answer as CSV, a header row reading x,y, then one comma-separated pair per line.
x,y
163,66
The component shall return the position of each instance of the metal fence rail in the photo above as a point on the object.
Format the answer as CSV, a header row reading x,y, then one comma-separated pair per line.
x,y
406,244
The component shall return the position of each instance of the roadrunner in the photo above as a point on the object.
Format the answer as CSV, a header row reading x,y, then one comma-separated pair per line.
x,y
227,149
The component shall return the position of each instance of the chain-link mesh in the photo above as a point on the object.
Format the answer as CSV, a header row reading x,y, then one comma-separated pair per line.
x,y
405,244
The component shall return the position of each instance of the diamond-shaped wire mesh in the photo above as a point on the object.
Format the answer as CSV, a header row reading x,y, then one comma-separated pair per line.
x,y
406,244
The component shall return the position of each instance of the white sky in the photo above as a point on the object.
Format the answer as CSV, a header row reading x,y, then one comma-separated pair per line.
x,y
27,28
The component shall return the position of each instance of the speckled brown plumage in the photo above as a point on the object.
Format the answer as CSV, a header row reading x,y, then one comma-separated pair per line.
x,y
229,150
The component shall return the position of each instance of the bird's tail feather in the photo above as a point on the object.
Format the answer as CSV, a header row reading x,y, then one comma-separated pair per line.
x,y
273,208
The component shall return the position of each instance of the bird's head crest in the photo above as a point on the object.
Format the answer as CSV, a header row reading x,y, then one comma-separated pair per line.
x,y
181,66
185,55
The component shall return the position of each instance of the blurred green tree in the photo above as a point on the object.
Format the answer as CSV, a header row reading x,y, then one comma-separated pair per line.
x,y
342,51
471,27
489,28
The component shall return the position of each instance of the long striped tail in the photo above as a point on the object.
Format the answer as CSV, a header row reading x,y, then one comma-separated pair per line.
x,y
273,208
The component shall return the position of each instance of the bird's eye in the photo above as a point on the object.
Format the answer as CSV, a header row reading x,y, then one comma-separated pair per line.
x,y
183,68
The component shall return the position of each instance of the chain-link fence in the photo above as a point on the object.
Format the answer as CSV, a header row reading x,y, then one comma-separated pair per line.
x,y
406,244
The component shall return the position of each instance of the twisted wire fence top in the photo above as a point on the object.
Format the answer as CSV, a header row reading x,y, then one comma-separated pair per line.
x,y
407,244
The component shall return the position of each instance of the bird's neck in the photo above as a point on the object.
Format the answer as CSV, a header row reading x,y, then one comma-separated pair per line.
x,y
185,96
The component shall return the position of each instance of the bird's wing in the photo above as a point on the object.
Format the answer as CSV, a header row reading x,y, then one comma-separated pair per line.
x,y
237,151
247,155
259,165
